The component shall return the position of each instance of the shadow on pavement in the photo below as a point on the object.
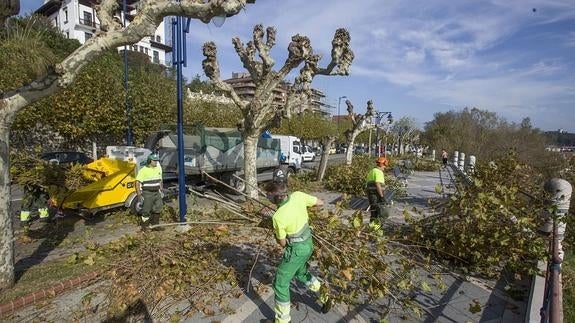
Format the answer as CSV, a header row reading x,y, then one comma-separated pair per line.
x,y
419,202
135,312
242,258
517,292
52,234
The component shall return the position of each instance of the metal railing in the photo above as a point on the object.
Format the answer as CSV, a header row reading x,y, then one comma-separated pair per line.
x,y
552,309
89,22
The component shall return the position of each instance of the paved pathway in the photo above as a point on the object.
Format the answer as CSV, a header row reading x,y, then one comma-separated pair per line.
x,y
466,299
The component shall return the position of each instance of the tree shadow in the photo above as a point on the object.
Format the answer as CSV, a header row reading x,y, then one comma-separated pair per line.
x,y
135,312
242,258
52,234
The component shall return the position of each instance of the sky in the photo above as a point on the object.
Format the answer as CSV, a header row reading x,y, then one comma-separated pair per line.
x,y
417,58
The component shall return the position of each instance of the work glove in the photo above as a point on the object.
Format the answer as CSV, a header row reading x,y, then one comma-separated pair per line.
x,y
161,193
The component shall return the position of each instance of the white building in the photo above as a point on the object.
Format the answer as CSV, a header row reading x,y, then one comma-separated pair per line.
x,y
77,19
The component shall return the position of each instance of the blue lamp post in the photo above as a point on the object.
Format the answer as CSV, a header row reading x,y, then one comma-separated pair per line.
x,y
128,105
179,59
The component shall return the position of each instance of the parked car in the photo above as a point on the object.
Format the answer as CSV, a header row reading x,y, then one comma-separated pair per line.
x,y
359,150
341,149
66,157
307,154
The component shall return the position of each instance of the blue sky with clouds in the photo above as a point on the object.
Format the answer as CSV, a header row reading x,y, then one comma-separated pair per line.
x,y
416,58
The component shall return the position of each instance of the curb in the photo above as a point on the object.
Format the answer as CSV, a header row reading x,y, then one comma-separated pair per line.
x,y
536,295
33,298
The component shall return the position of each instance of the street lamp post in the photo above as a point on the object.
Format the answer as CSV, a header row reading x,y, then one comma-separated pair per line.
x,y
338,113
379,116
127,103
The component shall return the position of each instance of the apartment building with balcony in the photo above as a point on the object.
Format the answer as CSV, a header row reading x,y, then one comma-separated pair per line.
x,y
245,88
77,19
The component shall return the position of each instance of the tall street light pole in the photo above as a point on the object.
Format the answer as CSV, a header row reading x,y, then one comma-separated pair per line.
x,y
379,116
180,27
338,113
128,104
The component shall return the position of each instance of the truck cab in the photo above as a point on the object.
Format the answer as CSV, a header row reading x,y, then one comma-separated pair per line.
x,y
291,151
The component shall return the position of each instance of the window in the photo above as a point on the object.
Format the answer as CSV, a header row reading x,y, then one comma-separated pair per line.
x,y
67,34
87,36
142,49
88,18
65,15
56,21
156,58
158,38
146,50
135,48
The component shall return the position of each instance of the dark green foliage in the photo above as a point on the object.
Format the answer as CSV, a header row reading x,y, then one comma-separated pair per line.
x,y
94,107
307,126
29,48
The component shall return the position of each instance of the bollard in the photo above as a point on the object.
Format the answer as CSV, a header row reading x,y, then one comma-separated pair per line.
x,y
455,157
560,191
462,161
433,154
471,165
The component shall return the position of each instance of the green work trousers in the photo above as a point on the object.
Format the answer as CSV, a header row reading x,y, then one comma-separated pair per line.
x,y
377,206
293,264
34,199
152,206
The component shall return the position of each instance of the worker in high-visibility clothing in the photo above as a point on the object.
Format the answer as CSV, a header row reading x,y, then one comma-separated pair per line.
x,y
35,199
293,233
149,191
375,193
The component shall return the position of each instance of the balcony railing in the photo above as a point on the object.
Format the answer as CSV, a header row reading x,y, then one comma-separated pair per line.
x,y
89,23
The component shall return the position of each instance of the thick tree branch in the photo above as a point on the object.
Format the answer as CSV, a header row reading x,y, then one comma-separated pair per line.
x,y
298,50
341,54
264,48
246,55
212,71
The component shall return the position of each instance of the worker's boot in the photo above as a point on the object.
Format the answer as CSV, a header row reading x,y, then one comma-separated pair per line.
x,y
155,220
327,303
145,223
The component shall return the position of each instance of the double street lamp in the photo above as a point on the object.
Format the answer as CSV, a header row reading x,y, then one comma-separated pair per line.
x,y
378,124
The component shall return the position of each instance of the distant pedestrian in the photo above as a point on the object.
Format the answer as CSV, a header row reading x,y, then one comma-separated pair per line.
x,y
149,190
444,157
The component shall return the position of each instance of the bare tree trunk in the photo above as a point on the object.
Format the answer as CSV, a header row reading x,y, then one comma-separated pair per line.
x,y
6,228
350,143
250,166
326,145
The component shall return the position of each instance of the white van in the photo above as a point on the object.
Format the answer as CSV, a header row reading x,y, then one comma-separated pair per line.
x,y
291,150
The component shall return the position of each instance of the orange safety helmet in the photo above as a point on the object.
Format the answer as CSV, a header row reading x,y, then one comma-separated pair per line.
x,y
382,161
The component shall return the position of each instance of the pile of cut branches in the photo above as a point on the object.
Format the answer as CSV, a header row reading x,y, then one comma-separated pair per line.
x,y
491,223
226,254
